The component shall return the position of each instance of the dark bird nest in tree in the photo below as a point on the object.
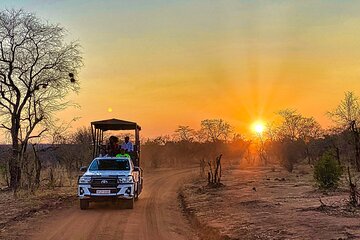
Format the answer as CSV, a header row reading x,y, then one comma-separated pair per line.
x,y
71,76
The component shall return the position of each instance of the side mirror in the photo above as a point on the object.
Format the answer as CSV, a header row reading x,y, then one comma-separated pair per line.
x,y
83,169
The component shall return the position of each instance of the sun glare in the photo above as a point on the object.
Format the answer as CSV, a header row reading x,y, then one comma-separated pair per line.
x,y
110,110
258,127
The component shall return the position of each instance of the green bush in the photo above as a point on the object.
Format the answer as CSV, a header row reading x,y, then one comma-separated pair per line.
x,y
327,171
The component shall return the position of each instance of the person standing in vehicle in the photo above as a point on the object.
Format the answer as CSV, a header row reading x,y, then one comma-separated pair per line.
x,y
127,145
113,146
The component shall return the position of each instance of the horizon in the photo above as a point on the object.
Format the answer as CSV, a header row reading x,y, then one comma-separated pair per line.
x,y
177,63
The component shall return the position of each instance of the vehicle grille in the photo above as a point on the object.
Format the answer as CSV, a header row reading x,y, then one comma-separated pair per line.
x,y
104,182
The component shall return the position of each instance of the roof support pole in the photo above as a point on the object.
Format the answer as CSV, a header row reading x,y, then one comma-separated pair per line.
x,y
93,134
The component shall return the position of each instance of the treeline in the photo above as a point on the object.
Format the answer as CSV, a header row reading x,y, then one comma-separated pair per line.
x,y
55,164
295,137
291,139
170,153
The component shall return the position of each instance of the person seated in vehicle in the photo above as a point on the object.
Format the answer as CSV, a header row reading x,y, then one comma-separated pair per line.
x,y
113,146
103,152
127,145
123,154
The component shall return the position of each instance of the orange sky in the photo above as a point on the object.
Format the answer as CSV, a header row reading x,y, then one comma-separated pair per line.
x,y
170,63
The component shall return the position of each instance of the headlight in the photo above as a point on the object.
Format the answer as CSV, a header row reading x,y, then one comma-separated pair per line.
x,y
84,179
128,179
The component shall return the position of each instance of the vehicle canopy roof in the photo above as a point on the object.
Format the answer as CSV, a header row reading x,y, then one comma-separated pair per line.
x,y
115,124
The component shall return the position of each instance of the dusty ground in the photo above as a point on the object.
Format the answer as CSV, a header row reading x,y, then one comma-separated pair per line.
x,y
20,210
156,215
259,203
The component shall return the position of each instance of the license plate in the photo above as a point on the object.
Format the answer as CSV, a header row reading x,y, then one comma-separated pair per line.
x,y
102,191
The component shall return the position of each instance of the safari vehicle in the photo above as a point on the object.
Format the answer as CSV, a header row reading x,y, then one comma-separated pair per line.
x,y
111,178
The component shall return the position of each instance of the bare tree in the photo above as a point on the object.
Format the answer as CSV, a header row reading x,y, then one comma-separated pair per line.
x,y
214,173
296,131
200,136
82,138
272,131
35,67
289,127
347,116
347,111
309,129
216,129
184,133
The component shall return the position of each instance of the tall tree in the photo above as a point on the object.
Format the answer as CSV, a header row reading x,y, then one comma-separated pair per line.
x,y
37,71
184,133
309,129
347,116
294,127
216,129
289,127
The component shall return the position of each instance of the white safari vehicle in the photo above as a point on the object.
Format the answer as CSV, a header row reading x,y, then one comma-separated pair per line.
x,y
111,178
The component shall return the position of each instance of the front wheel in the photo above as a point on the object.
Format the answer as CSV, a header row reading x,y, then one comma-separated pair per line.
x,y
129,203
84,204
136,193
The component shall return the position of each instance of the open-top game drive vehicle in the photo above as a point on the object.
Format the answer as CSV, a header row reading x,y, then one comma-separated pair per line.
x,y
110,178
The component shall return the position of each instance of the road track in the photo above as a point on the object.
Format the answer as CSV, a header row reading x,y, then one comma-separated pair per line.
x,y
156,215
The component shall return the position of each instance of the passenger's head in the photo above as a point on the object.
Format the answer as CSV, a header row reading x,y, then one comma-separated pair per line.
x,y
113,140
122,151
127,139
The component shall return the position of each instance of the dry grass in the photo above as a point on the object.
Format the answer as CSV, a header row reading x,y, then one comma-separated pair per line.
x,y
263,203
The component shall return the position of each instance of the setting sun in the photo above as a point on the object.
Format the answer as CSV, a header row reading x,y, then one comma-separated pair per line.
x,y
258,127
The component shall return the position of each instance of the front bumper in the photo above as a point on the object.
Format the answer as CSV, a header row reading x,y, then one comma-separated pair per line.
x,y
122,191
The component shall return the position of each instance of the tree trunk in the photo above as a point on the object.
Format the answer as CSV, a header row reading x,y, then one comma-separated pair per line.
x,y
210,174
354,195
356,134
338,155
15,171
37,167
218,167
14,161
357,157
308,154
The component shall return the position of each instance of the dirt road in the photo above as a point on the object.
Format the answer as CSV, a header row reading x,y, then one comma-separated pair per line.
x,y
156,215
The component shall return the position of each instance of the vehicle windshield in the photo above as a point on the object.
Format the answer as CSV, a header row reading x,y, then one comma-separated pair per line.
x,y
110,164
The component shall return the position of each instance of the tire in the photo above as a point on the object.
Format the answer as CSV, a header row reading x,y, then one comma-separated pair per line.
x,y
136,193
129,203
84,204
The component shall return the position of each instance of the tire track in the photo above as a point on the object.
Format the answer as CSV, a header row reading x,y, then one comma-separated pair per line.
x,y
154,216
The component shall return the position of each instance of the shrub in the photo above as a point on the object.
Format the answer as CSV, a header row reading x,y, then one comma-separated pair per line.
x,y
291,152
327,171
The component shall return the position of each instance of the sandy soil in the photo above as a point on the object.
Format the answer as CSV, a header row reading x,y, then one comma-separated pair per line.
x,y
156,215
24,206
259,203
